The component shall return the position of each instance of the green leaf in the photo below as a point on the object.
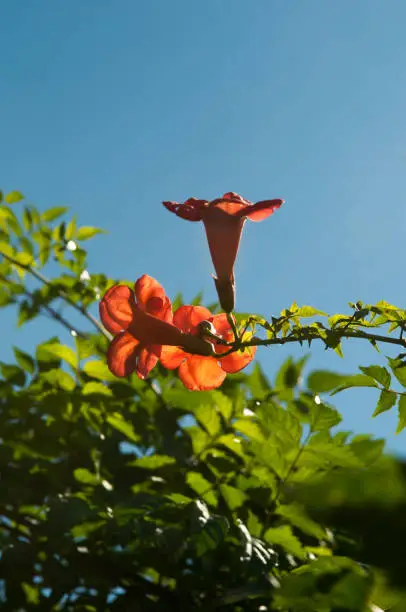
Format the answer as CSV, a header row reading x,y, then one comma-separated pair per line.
x,y
117,421
85,232
386,400
322,416
84,476
27,246
249,428
13,197
296,515
208,417
357,380
96,388
309,311
61,351
321,381
13,374
402,413
233,497
53,213
202,487
59,378
284,537
25,361
31,593
378,373
398,368
153,462
70,231
99,370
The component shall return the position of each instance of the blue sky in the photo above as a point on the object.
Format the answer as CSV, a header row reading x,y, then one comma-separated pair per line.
x,y
112,107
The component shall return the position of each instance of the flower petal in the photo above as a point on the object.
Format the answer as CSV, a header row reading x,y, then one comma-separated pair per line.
x,y
262,210
187,317
172,357
146,361
222,326
235,197
201,373
238,360
116,308
160,308
122,354
191,210
146,288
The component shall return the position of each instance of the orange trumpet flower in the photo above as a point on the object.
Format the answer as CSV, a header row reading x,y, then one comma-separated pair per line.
x,y
141,321
224,220
203,373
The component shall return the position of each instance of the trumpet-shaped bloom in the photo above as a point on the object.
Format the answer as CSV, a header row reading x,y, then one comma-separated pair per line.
x,y
224,220
203,373
141,322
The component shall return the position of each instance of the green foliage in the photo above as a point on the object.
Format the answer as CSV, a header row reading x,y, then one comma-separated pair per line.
x,y
132,495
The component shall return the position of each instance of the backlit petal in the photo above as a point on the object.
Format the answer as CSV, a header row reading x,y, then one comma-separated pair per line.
x,y
238,360
146,288
161,308
122,354
172,357
146,361
191,210
222,326
116,308
187,317
262,210
201,373
235,197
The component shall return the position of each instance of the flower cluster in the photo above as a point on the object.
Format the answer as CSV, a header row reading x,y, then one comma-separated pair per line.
x,y
192,339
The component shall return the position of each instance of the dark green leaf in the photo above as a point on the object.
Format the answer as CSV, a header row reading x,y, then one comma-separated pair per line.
x,y
386,400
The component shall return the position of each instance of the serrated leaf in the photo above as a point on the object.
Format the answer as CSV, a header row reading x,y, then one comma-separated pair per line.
x,y
284,537
85,232
309,311
96,388
13,197
378,373
126,428
53,213
402,413
99,370
153,462
61,351
398,368
387,399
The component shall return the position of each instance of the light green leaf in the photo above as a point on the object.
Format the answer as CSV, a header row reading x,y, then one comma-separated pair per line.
x,y
398,368
402,414
284,537
296,515
202,487
387,399
378,373
96,388
13,197
59,378
118,422
357,380
233,497
153,462
53,213
85,232
61,351
249,428
84,476
309,311
321,381
208,417
99,370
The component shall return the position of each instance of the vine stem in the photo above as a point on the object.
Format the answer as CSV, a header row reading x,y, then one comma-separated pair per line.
x,y
62,294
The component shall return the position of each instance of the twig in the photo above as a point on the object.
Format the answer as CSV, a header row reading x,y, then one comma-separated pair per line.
x,y
62,294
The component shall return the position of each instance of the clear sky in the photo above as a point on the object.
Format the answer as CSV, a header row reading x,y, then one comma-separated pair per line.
x,y
112,107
